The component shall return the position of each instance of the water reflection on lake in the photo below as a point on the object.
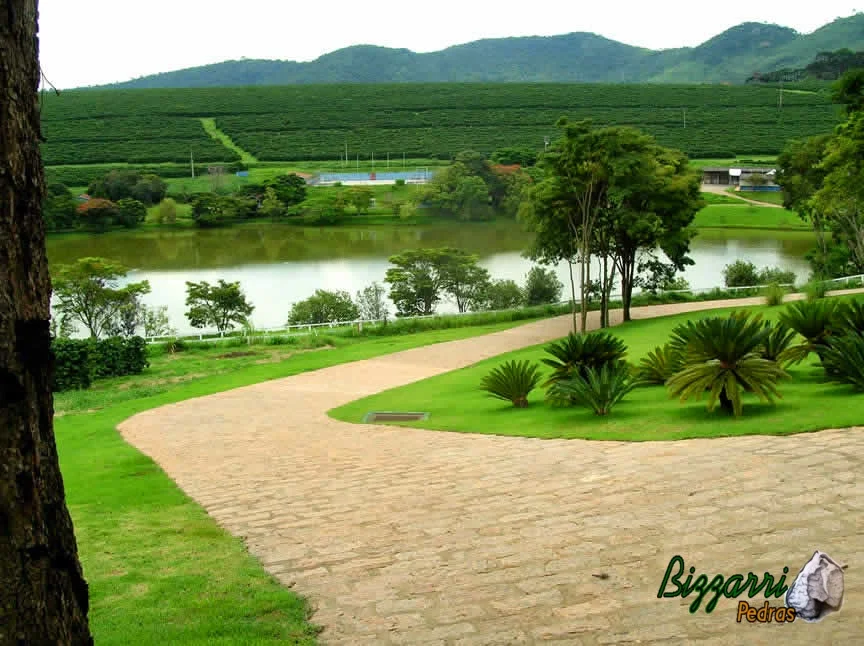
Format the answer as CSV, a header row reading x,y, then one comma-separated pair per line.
x,y
278,265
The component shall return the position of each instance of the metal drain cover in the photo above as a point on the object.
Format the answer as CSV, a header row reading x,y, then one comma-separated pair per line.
x,y
388,416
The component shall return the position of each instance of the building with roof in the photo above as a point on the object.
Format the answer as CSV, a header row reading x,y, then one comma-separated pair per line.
x,y
741,177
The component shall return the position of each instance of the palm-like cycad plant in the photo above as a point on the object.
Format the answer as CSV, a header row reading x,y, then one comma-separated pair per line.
x,y
850,317
577,354
658,365
723,356
815,321
598,388
844,359
512,381
776,346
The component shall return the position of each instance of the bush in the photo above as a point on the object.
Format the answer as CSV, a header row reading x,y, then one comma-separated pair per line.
x,y
723,357
72,370
659,365
777,344
504,295
167,211
512,382
579,353
542,286
776,275
324,307
79,361
815,290
598,388
774,295
849,317
740,273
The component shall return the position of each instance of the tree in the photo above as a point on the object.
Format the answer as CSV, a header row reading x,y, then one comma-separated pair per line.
x,y
360,197
416,281
212,210
97,214
290,189
504,295
455,192
120,184
167,211
59,208
849,91
512,155
155,321
331,209
88,291
131,212
465,280
372,302
271,206
542,287
222,305
324,307
43,594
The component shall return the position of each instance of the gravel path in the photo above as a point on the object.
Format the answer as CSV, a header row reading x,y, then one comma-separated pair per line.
x,y
406,536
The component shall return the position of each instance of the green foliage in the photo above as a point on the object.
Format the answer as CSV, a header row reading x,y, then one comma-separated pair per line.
x,y
777,345
324,307
72,369
576,354
155,321
525,156
542,286
88,291
372,302
815,290
723,356
659,365
59,208
130,212
769,275
815,321
167,212
360,197
503,295
290,189
743,273
271,205
774,295
849,318
97,215
221,306
77,362
844,359
600,389
122,184
213,210
512,381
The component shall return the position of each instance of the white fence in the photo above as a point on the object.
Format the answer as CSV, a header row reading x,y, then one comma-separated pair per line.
x,y
303,330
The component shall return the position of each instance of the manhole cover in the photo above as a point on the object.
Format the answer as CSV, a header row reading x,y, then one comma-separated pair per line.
x,y
394,417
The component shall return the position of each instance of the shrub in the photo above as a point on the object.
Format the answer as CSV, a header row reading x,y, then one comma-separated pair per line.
x,y
769,275
504,295
542,286
740,273
849,317
722,356
844,359
598,388
815,290
813,320
512,381
578,353
166,213
659,365
774,295
72,369
324,307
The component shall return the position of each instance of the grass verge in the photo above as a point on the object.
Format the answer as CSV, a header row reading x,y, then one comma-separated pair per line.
x,y
744,216
456,403
211,129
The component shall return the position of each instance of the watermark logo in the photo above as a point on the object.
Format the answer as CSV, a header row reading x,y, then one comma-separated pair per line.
x,y
816,591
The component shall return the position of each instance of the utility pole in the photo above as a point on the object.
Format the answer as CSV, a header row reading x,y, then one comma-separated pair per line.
x,y
358,161
346,152
192,164
685,117
403,160
373,161
388,160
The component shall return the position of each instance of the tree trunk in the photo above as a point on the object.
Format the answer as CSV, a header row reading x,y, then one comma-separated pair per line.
x,y
43,595
572,293
628,269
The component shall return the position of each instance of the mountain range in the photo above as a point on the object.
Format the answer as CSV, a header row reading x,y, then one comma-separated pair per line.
x,y
731,57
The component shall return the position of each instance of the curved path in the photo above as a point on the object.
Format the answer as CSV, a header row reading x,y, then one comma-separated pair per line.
x,y
404,536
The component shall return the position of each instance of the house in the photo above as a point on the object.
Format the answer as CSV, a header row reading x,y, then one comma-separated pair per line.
x,y
740,177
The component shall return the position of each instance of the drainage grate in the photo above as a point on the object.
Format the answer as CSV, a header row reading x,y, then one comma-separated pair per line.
x,y
394,417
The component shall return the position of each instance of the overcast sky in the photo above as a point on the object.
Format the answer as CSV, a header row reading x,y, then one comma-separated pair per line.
x,y
90,42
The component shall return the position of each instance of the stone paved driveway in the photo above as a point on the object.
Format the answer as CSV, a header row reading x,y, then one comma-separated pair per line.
x,y
402,536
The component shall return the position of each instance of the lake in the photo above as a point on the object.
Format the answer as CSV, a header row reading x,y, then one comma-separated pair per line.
x,y
278,265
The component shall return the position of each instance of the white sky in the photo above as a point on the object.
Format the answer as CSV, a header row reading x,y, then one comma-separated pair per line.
x,y
90,42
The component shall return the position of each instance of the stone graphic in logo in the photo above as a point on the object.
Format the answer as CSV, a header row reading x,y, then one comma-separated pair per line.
x,y
818,589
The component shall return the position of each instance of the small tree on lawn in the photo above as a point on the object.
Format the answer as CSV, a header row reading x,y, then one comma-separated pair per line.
x,y
504,295
372,302
166,213
97,214
360,198
221,306
88,291
465,280
155,321
131,212
290,189
324,307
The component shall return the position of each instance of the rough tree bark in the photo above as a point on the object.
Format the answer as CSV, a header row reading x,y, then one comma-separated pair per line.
x,y
43,595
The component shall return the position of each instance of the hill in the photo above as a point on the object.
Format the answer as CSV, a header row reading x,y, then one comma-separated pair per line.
x,y
731,57
305,122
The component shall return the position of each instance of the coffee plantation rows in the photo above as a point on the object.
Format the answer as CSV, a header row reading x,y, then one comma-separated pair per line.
x,y
420,120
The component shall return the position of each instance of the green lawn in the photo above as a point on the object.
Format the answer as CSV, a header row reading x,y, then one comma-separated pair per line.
x,y
746,216
160,570
456,403
719,198
768,197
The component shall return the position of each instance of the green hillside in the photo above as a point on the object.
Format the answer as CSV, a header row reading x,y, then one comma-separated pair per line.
x,y
732,57
420,121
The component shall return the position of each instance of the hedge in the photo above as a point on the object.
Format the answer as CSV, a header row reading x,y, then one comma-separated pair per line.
x,y
77,362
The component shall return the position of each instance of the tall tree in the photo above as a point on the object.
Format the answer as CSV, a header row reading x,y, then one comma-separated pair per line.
x,y
221,305
43,594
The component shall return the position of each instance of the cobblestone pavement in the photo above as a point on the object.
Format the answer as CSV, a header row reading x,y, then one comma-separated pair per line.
x,y
404,536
